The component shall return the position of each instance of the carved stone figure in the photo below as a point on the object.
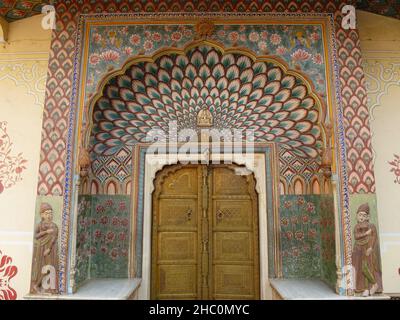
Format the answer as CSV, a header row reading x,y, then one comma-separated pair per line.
x,y
204,118
45,254
367,271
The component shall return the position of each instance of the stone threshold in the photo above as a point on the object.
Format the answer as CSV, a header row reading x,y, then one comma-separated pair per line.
x,y
98,289
312,289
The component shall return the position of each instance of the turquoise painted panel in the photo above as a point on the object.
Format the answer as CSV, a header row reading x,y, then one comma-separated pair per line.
x,y
110,234
327,234
103,237
83,239
308,237
300,236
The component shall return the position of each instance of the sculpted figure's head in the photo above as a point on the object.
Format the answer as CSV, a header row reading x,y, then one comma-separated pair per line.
x,y
46,212
363,213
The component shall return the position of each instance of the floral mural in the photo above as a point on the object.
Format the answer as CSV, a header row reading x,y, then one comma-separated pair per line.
x,y
395,168
308,237
300,46
7,272
11,165
103,237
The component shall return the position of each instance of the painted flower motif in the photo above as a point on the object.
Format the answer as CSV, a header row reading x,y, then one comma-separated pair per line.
x,y
300,55
103,249
287,204
147,34
293,220
264,35
110,56
285,28
124,222
315,36
262,46
299,235
122,206
275,39
312,233
306,248
128,51
289,235
221,33
242,28
96,37
176,36
124,30
156,37
115,221
104,220
310,207
122,236
395,168
109,203
317,58
110,236
124,252
187,33
300,201
94,222
94,59
284,222
7,272
100,209
281,50
135,39
114,253
243,37
254,36
148,45
98,234
82,222
233,36
305,218
11,166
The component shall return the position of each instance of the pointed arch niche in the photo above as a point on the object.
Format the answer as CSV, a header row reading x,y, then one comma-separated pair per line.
x,y
241,91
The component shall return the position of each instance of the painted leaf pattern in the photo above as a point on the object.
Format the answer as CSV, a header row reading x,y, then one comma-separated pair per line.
x,y
239,92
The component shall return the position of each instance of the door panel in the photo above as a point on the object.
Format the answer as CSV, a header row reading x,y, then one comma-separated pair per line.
x,y
235,235
233,282
205,234
175,238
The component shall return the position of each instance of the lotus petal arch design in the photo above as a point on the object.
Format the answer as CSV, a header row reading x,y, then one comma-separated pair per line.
x,y
240,91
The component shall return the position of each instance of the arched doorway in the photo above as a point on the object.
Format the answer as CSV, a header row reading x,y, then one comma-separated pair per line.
x,y
205,242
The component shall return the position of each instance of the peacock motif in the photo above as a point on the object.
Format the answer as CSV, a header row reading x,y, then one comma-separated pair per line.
x,y
239,92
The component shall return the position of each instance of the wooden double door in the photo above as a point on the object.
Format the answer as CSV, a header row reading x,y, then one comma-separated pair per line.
x,y
205,234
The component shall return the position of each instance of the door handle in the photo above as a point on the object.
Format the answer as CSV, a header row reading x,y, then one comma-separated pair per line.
x,y
189,214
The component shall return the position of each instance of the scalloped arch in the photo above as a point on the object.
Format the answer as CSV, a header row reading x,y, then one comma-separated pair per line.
x,y
240,89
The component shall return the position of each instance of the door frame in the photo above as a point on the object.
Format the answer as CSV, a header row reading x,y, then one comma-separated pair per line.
x,y
155,163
